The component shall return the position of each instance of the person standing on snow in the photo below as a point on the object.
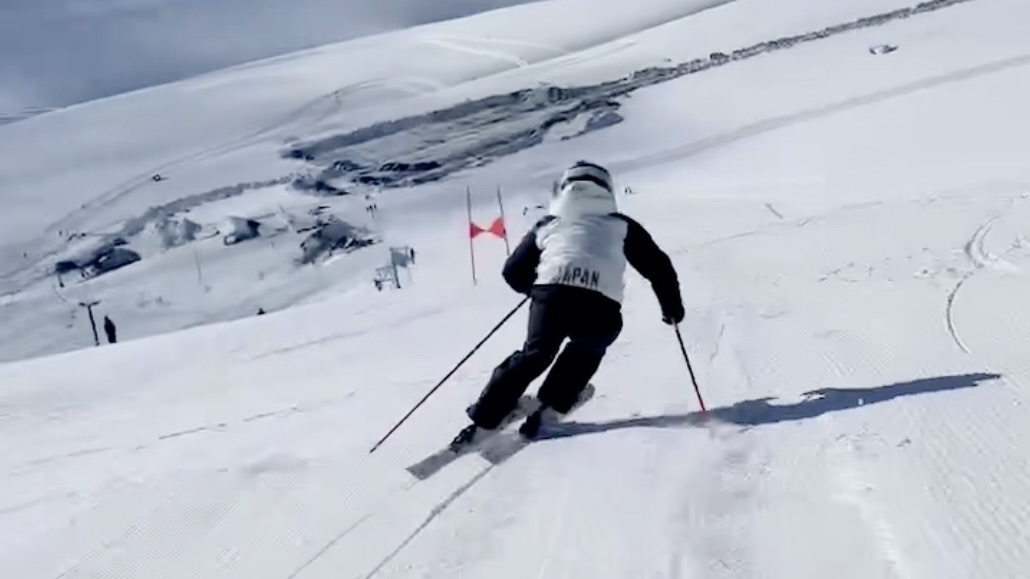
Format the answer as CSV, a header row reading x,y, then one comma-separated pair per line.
x,y
110,330
571,264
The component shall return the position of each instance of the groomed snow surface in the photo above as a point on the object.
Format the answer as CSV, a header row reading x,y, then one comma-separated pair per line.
x,y
851,228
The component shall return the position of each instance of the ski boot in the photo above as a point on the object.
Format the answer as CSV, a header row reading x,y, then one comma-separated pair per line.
x,y
464,438
543,415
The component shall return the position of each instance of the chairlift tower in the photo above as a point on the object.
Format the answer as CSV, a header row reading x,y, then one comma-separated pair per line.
x,y
92,321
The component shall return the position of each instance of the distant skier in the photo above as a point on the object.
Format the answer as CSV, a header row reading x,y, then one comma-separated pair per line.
x,y
571,263
110,330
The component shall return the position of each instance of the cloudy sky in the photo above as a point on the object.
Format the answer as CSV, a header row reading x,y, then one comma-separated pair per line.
x,y
59,52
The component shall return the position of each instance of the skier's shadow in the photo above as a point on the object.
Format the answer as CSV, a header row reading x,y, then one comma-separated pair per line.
x,y
758,412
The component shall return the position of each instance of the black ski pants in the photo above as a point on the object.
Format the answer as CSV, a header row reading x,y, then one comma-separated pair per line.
x,y
589,320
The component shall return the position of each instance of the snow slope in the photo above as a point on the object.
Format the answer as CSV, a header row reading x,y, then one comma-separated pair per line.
x,y
850,230
219,136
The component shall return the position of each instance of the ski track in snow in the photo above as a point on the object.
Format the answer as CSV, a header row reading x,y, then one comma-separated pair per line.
x,y
328,546
464,45
848,485
557,530
712,517
722,486
950,314
773,210
853,486
497,41
434,512
977,253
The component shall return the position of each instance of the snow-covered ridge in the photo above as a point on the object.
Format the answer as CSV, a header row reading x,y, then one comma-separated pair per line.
x,y
7,117
432,146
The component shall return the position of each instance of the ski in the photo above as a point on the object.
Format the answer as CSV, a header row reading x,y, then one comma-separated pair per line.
x,y
433,463
503,447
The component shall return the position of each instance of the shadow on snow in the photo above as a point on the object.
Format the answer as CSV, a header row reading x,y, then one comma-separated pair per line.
x,y
758,412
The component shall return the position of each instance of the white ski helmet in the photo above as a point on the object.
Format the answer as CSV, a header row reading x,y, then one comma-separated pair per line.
x,y
587,171
585,188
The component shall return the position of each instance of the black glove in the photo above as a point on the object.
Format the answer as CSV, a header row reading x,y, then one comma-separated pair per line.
x,y
673,314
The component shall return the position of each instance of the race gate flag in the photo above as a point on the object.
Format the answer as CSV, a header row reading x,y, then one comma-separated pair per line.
x,y
497,228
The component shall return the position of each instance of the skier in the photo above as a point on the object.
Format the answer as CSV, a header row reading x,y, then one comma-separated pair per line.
x,y
110,330
571,264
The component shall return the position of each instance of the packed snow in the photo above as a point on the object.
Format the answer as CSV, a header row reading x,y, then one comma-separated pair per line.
x,y
843,189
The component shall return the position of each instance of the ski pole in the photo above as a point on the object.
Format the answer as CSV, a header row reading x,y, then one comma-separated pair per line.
x,y
690,369
449,374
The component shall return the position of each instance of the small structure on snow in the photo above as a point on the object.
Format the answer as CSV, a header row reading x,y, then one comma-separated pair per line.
x,y
237,229
402,256
98,258
386,274
330,236
176,231
116,258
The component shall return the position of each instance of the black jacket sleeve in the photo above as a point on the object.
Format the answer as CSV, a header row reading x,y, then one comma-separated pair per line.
x,y
651,262
520,267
